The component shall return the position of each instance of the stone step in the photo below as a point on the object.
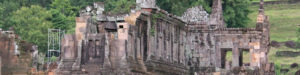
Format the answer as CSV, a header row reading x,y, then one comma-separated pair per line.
x,y
67,65
92,69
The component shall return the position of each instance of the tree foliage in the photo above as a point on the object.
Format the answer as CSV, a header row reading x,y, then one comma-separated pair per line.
x,y
6,8
236,12
1,15
119,6
63,15
178,7
65,7
31,24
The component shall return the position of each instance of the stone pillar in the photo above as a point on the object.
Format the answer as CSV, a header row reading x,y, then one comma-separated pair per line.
x,y
76,65
107,50
235,56
255,55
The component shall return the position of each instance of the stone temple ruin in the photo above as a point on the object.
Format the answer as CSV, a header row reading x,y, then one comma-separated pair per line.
x,y
15,55
151,41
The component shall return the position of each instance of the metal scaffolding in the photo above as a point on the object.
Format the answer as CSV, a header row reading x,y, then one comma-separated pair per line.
x,y
54,42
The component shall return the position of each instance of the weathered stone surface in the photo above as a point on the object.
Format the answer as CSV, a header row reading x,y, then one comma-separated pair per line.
x,y
298,72
290,44
294,65
12,62
287,53
275,44
284,70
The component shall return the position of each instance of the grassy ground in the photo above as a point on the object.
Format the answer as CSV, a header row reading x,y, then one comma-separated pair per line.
x,y
268,0
284,19
284,62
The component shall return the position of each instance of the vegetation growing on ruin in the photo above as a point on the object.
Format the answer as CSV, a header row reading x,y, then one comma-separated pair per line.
x,y
31,24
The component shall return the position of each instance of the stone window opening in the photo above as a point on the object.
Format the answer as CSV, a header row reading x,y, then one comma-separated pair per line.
x,y
226,58
121,26
244,57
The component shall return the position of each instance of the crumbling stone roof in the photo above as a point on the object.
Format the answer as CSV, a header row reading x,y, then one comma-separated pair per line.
x,y
195,15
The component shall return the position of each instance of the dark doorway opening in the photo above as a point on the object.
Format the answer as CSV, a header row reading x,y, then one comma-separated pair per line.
x,y
226,57
145,41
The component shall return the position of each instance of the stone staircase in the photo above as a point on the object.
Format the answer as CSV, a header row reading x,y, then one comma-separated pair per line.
x,y
92,67
65,66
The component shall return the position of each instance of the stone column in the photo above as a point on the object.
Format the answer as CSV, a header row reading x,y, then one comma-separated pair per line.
x,y
76,65
107,62
235,56
255,54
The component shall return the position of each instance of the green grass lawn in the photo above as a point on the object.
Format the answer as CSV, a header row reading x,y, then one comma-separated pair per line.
x,y
284,20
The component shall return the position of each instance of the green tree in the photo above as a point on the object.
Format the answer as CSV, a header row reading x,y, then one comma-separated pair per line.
x,y
63,15
7,8
119,6
1,15
65,7
236,12
59,20
178,7
31,24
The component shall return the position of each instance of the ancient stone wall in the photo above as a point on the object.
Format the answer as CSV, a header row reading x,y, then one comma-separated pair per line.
x,y
162,43
12,61
152,41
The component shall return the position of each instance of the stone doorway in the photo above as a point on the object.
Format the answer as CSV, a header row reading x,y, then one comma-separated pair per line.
x,y
226,57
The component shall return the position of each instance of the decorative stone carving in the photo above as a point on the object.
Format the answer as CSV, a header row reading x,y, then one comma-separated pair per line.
x,y
196,15
99,6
